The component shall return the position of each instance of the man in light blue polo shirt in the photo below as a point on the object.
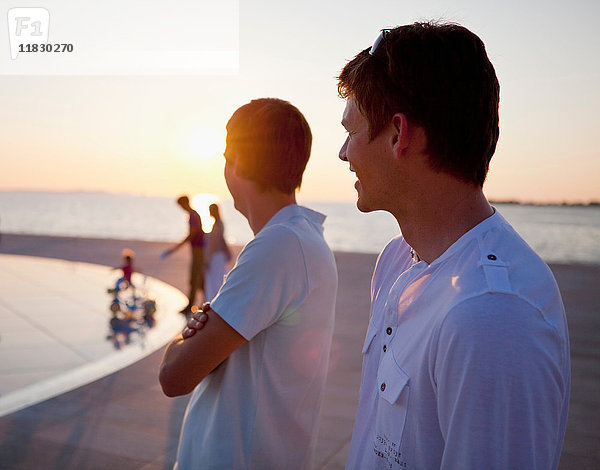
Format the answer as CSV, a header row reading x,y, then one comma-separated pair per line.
x,y
466,357
258,366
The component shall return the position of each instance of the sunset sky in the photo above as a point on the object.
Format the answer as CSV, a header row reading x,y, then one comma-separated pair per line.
x,y
164,135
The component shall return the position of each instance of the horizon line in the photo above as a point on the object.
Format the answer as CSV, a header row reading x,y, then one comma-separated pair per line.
x,y
492,200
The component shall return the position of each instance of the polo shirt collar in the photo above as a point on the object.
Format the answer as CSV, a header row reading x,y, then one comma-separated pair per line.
x,y
294,210
494,220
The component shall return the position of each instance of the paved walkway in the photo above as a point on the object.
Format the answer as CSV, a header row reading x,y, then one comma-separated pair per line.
x,y
123,421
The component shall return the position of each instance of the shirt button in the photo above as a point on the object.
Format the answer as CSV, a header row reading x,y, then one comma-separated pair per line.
x,y
492,257
384,348
389,331
382,387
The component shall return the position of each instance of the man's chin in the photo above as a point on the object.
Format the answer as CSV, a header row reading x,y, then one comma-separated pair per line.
x,y
362,206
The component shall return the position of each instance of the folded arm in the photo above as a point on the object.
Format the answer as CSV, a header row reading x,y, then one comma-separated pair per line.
x,y
188,360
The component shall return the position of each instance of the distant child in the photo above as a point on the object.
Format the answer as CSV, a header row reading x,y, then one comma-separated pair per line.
x,y
127,268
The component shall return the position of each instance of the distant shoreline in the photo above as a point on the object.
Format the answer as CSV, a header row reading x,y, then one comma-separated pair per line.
x,y
590,203
546,204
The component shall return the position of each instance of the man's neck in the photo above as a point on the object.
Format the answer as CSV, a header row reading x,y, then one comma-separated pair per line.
x,y
265,205
431,224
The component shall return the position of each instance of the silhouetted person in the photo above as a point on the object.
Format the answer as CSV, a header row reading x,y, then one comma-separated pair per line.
x,y
217,255
196,240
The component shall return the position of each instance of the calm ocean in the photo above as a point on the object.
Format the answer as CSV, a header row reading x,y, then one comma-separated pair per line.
x,y
560,234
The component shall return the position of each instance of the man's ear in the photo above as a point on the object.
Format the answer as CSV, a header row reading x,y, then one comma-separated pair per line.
x,y
406,135
400,138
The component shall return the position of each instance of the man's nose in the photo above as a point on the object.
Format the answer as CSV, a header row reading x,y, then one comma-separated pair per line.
x,y
342,154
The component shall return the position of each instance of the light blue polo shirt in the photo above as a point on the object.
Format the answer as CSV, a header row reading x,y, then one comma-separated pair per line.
x,y
260,408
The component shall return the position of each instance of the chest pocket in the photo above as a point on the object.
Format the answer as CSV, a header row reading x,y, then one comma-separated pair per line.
x,y
392,380
392,409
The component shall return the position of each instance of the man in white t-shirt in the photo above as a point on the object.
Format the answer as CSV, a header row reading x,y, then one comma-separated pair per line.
x,y
466,358
258,365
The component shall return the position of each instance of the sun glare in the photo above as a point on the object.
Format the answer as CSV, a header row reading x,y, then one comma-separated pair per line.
x,y
200,203
204,143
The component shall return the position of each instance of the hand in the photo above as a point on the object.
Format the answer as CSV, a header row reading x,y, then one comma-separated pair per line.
x,y
196,322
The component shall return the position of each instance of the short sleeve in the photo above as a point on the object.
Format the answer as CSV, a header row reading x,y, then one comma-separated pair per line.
x,y
268,281
499,384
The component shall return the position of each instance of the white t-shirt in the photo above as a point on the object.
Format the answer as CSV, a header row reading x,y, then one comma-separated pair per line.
x,y
466,360
260,408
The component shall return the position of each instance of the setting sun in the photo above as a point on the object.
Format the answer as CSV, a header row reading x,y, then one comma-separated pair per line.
x,y
204,143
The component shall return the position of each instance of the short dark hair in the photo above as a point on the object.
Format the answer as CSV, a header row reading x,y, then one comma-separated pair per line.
x,y
269,140
440,77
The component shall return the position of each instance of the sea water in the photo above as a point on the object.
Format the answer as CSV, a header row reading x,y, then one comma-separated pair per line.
x,y
559,234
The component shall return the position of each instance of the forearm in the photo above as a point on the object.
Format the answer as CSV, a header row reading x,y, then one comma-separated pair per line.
x,y
183,242
179,245
174,377
187,361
